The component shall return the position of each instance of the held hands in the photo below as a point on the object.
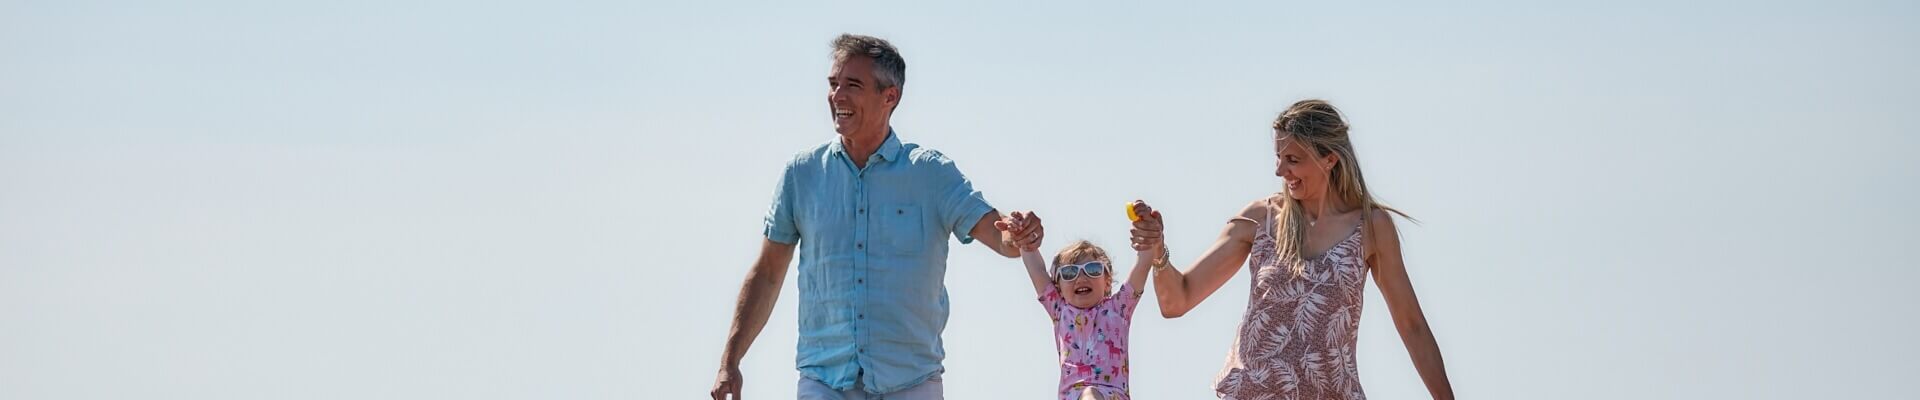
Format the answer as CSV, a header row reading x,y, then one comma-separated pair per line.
x,y
1023,230
1147,230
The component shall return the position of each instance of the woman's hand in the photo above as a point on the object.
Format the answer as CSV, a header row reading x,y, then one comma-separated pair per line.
x,y
1147,232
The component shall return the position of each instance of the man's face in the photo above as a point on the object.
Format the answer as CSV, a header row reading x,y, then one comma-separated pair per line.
x,y
859,105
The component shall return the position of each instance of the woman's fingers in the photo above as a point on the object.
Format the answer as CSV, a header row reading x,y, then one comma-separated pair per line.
x,y
1148,223
1140,207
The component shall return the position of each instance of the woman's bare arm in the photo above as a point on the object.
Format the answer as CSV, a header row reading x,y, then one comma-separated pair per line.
x,y
1179,291
1390,273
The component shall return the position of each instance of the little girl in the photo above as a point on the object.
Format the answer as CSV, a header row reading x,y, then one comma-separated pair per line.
x,y
1090,319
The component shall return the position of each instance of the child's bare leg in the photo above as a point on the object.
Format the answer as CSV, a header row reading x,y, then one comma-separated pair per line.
x,y
1090,394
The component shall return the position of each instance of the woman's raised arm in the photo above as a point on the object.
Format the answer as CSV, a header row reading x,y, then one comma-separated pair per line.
x,y
1179,291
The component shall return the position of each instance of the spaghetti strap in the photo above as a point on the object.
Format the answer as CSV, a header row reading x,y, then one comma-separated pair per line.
x,y
1269,211
1257,223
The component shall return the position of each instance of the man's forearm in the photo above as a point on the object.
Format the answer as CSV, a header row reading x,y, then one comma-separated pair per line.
x,y
757,295
749,316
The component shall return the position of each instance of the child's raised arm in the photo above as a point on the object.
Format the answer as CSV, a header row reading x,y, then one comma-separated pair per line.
x,y
1036,270
1029,248
1138,278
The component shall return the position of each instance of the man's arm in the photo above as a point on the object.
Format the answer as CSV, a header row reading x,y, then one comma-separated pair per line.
x,y
757,296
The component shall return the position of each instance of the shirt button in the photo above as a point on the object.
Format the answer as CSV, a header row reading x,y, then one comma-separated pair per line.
x,y
863,211
863,316
859,245
863,280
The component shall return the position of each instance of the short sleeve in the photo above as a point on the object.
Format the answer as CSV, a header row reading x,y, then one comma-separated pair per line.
x,y
780,222
1051,300
1126,301
960,205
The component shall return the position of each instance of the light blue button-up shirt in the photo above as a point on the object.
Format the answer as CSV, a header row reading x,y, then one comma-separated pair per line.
x,y
873,259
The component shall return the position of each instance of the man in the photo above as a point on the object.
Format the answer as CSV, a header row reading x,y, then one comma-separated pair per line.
x,y
870,216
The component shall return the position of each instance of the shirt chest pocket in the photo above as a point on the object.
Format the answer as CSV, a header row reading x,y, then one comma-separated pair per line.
x,y
899,229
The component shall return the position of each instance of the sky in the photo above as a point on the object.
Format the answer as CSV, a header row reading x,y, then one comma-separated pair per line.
x,y
514,200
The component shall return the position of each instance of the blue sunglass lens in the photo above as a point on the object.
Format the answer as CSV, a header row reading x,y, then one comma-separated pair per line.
x,y
1095,269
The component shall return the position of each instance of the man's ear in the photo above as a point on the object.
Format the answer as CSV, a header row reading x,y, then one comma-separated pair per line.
x,y
892,95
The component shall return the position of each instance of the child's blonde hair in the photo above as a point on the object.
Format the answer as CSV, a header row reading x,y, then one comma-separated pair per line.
x,y
1081,250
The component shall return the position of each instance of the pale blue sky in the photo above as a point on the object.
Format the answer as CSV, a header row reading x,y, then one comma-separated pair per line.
x,y
498,200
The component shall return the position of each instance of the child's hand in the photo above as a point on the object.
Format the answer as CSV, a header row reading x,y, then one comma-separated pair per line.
x,y
1152,253
1006,224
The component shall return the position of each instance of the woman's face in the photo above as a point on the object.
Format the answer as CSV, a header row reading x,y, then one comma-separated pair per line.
x,y
1304,172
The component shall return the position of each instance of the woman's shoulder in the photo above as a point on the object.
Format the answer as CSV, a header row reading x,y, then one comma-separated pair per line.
x,y
1379,232
1379,219
1261,208
1245,226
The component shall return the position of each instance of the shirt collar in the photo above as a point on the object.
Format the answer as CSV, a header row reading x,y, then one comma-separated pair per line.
x,y
889,149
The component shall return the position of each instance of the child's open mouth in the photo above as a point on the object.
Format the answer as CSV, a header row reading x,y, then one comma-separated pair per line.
x,y
1083,290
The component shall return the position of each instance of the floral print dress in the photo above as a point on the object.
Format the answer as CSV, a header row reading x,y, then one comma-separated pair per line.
x,y
1297,338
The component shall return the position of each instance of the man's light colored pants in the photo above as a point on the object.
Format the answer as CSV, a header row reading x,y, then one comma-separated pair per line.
x,y
814,390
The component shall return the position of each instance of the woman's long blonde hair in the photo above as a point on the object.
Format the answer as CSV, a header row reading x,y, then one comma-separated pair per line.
x,y
1318,126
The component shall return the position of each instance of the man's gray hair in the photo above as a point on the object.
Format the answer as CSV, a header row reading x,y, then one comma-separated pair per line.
x,y
888,67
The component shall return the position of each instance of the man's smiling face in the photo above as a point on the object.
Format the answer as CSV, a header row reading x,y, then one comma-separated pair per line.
x,y
859,106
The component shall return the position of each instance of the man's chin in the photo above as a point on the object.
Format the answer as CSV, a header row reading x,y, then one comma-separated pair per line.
x,y
846,129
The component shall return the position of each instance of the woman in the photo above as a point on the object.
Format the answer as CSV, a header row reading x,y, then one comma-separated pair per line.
x,y
1309,249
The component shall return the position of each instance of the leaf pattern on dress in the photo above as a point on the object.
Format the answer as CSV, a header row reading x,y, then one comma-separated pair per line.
x,y
1297,337
1340,325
